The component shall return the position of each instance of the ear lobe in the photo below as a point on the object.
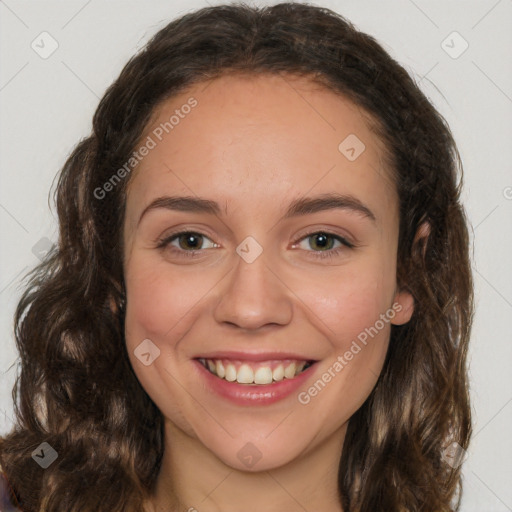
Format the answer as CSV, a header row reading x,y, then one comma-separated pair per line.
x,y
403,305
404,301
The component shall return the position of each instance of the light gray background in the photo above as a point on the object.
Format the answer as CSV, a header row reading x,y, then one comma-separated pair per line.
x,y
47,106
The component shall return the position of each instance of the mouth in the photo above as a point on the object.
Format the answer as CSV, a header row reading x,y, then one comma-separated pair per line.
x,y
255,373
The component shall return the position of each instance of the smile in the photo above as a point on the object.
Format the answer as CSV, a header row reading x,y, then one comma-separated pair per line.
x,y
255,372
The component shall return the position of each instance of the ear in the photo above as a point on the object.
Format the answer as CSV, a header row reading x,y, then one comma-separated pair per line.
x,y
115,306
403,303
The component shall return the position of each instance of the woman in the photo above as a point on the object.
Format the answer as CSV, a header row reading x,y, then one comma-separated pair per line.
x,y
261,295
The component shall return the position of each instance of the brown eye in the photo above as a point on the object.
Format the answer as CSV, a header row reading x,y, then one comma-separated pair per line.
x,y
322,243
187,241
190,241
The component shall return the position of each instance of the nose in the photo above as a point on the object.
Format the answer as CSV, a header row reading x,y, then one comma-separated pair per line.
x,y
254,296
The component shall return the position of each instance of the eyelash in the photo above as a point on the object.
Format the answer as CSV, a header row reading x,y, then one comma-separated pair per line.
x,y
163,243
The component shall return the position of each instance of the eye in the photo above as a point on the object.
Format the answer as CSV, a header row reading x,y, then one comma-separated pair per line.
x,y
190,243
325,241
187,241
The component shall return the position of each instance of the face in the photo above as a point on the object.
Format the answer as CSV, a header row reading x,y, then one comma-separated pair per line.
x,y
265,272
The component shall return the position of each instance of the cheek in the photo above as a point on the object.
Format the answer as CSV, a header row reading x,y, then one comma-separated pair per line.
x,y
160,307
159,303
349,302
353,314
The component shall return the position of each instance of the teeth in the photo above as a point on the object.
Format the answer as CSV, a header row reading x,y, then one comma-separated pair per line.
x,y
300,367
247,374
289,371
230,373
219,369
263,375
278,373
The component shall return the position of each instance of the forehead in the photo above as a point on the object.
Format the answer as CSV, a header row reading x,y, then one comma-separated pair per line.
x,y
252,141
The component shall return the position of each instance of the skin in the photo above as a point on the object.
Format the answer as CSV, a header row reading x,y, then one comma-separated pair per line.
x,y
254,145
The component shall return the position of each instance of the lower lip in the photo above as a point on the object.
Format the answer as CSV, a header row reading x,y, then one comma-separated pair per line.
x,y
257,394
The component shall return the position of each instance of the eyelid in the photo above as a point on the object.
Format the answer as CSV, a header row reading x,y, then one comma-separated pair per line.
x,y
165,240
164,243
342,241
327,231
313,231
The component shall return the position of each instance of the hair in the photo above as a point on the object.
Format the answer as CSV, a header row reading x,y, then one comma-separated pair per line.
x,y
75,387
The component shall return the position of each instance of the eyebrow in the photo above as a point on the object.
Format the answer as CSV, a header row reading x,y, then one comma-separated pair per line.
x,y
298,207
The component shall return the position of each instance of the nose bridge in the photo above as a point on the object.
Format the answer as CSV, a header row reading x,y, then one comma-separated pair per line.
x,y
254,295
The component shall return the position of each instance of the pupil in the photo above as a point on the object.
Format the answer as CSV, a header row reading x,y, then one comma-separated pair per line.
x,y
321,236
189,241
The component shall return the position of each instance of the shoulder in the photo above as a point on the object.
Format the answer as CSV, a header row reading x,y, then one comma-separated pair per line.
x,y
5,501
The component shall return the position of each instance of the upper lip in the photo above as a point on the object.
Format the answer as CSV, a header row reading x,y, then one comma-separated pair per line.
x,y
254,356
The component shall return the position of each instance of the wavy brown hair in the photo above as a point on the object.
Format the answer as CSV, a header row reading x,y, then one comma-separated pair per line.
x,y
76,389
